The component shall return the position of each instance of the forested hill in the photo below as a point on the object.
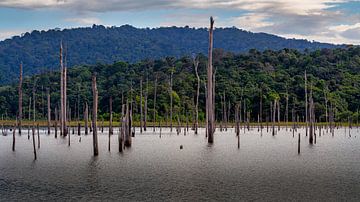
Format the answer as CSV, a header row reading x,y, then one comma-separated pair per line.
x,y
332,73
38,50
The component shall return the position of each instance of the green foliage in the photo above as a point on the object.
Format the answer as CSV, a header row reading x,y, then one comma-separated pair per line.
x,y
99,44
334,73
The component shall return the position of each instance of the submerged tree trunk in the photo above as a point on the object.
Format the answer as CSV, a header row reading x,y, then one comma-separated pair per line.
x,y
210,93
111,116
48,109
33,126
154,109
141,108
20,98
56,121
145,104
86,117
127,139
196,65
171,103
94,117
311,108
306,106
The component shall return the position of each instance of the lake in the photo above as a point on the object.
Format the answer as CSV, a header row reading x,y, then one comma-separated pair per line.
x,y
265,168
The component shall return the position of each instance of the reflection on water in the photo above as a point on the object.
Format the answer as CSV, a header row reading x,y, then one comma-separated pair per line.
x,y
264,168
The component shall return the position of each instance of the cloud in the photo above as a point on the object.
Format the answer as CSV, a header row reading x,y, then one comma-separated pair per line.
x,y
84,20
7,34
322,20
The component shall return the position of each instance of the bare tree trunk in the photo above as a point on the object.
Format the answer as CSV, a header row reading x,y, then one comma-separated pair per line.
x,y
14,131
326,108
141,108
38,135
196,65
33,137
20,98
210,96
171,102
86,117
225,114
306,106
278,113
48,109
273,117
94,118
29,116
127,142
154,111
122,129
311,138
287,109
261,109
146,103
111,116
65,99
56,121
33,126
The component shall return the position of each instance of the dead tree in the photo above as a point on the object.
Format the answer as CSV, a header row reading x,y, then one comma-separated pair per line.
x,y
29,116
273,117
326,107
210,88
306,106
154,109
196,65
86,117
20,98
63,128
48,109
33,126
146,103
94,117
14,131
127,139
261,108
56,121
141,108
171,102
278,113
287,109
311,109
111,116
122,129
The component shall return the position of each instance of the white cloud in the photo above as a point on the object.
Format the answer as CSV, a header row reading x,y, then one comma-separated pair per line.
x,y
311,19
84,20
7,34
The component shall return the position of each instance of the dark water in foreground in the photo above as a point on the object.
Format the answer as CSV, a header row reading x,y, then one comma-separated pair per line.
x,y
264,168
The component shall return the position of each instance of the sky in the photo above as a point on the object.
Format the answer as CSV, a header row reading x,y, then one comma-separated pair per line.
x,y
332,21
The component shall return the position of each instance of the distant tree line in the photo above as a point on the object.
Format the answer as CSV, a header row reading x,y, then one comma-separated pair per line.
x,y
333,75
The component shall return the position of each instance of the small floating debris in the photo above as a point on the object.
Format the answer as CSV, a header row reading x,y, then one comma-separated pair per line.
x,y
181,147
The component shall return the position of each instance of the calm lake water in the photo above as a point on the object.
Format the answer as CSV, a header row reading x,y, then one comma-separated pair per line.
x,y
155,169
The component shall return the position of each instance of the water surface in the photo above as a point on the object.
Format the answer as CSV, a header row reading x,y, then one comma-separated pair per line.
x,y
265,167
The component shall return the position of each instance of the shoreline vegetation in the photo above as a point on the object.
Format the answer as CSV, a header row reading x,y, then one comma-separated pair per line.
x,y
164,124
